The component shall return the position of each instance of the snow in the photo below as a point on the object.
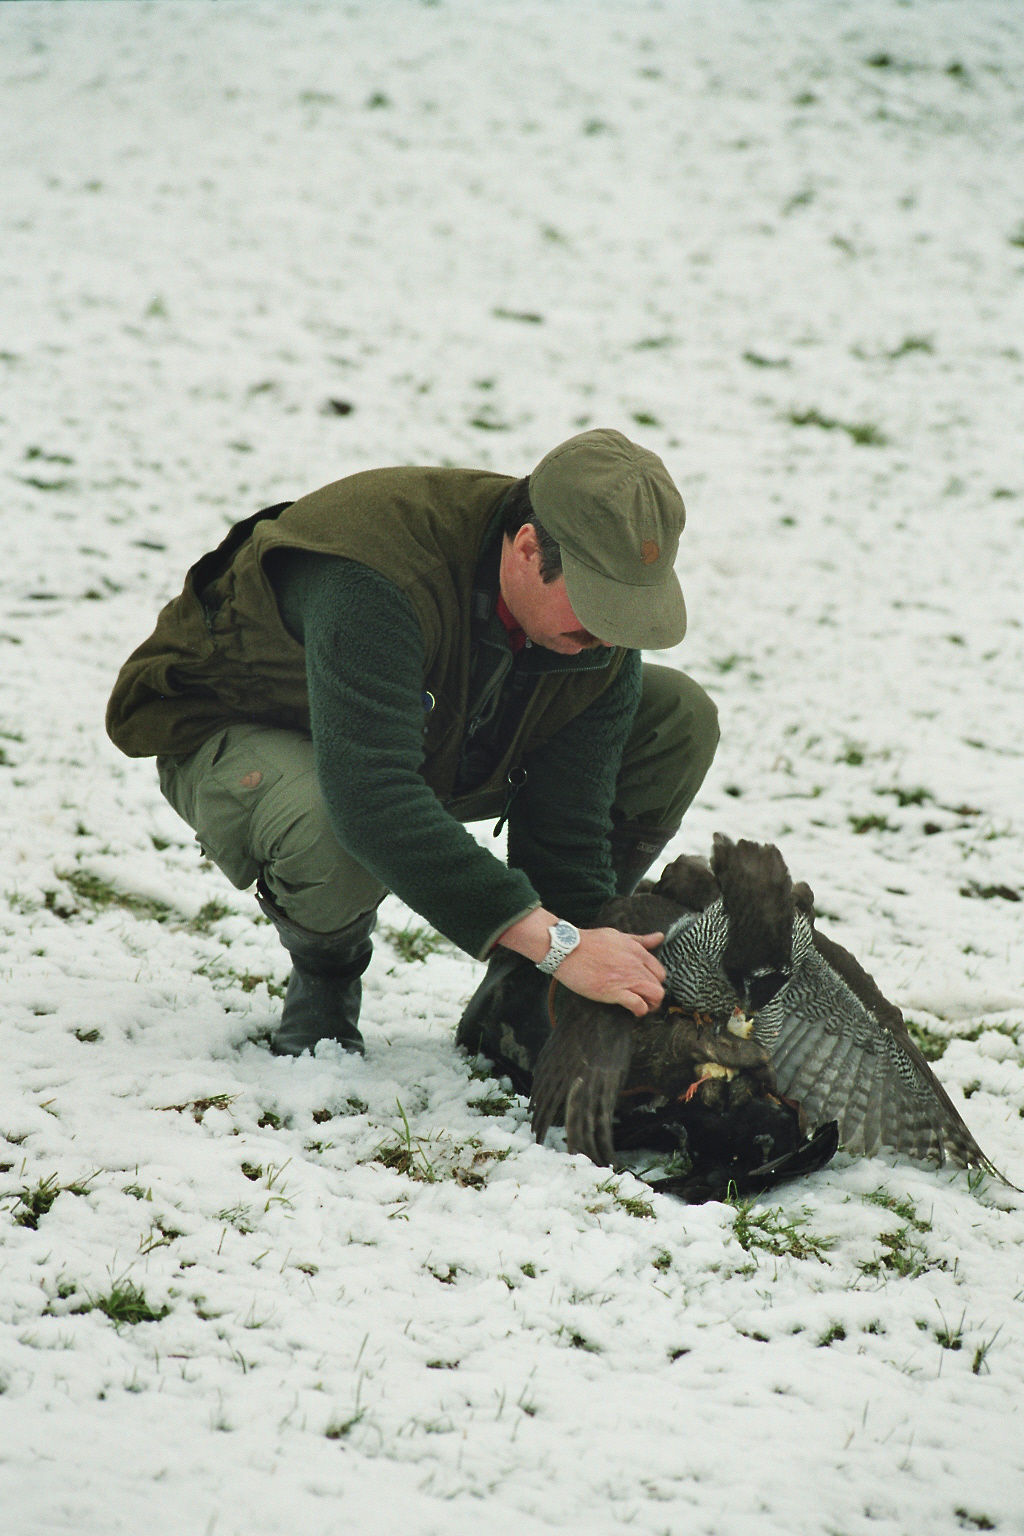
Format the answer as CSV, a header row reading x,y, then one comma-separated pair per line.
x,y
716,226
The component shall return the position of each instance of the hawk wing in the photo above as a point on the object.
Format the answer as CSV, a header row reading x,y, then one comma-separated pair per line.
x,y
843,1052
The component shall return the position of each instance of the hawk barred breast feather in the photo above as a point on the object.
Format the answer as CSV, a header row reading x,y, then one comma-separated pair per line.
x,y
745,939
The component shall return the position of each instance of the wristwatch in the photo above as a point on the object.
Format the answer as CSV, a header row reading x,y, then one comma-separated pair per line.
x,y
564,939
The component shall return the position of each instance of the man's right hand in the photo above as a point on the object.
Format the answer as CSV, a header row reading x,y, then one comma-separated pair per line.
x,y
607,966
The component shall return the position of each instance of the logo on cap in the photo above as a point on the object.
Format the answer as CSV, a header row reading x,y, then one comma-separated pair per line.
x,y
649,552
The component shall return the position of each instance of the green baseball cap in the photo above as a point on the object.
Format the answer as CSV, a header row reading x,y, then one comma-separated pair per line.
x,y
617,517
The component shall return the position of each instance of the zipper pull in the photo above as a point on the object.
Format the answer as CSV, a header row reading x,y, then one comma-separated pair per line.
x,y
516,780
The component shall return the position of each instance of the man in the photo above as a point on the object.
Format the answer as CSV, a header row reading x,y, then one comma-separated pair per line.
x,y
349,678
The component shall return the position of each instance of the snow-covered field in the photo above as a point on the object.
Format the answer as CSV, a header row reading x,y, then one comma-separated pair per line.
x,y
782,244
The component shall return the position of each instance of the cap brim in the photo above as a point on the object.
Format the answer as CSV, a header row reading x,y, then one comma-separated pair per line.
x,y
648,618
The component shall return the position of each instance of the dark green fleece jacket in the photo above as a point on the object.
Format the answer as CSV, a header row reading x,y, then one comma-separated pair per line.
x,y
364,664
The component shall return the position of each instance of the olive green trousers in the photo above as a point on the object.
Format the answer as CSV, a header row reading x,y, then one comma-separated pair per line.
x,y
251,795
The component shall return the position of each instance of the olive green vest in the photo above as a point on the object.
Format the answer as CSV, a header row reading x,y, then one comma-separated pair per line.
x,y
220,653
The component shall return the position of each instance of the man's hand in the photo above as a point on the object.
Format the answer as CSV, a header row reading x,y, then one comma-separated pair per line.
x,y
607,966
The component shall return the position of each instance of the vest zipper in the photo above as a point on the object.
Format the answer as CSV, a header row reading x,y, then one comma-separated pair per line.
x,y
516,779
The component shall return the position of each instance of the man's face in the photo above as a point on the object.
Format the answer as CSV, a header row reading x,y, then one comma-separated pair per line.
x,y
541,608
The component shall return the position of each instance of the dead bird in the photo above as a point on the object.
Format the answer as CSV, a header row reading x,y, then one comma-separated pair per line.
x,y
742,949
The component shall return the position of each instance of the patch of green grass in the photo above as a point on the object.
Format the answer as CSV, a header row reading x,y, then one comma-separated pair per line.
x,y
662,1262
931,1045
238,1216
99,893
834,1334
905,797
772,1231
32,1203
981,1352
633,1205
87,1036
414,943
950,1337
972,1522
577,1340
338,1429
900,1254
198,1107
526,316
904,1209
405,1153
207,915
873,823
757,361
864,433
492,1104
125,1305
217,971
989,892
911,344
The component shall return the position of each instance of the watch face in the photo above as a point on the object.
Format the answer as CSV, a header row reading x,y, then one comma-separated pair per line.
x,y
565,933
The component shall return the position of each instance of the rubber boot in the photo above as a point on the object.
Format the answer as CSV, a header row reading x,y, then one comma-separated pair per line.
x,y
635,847
321,1001
507,1017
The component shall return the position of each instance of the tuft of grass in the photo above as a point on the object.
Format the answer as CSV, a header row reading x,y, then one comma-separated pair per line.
x,y
758,361
125,1305
905,797
338,1429
775,1233
577,1340
970,1522
405,1153
981,1352
900,1254
931,1045
492,1104
198,1107
633,1205
30,1204
99,893
911,344
950,1338
207,915
864,433
904,1209
414,943
834,1334
873,823
989,892
238,1216
525,316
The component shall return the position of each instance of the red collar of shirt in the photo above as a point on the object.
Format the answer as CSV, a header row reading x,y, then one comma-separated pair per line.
x,y
516,636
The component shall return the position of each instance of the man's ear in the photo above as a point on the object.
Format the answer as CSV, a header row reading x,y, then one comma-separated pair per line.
x,y
526,543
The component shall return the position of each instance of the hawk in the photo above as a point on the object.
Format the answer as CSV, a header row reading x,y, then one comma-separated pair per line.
x,y
759,1000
